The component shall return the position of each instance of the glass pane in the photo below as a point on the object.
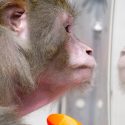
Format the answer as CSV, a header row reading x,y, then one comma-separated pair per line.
x,y
118,65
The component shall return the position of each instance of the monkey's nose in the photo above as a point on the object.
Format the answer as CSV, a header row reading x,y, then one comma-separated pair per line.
x,y
89,52
80,56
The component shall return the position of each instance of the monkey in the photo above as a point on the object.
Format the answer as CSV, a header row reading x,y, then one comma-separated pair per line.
x,y
40,57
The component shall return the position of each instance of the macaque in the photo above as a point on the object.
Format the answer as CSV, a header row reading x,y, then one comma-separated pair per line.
x,y
121,69
40,57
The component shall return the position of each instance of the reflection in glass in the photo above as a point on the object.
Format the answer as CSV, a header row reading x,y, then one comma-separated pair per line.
x,y
121,69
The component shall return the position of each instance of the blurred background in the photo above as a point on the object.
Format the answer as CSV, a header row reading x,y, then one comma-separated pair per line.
x,y
101,24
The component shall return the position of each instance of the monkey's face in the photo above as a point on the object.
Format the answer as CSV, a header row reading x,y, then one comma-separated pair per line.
x,y
68,61
58,58
63,61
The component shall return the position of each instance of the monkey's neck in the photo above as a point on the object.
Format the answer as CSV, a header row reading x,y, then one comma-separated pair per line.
x,y
34,101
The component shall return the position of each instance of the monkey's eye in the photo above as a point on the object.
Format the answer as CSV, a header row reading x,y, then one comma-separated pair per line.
x,y
68,28
17,14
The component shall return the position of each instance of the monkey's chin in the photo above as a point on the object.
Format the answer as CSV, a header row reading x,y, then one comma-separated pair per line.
x,y
82,76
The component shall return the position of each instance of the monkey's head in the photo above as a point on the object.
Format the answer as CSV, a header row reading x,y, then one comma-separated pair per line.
x,y
58,60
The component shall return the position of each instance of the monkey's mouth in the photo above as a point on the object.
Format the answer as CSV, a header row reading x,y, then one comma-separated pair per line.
x,y
68,76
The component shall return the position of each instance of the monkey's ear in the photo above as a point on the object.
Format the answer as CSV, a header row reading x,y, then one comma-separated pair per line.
x,y
13,17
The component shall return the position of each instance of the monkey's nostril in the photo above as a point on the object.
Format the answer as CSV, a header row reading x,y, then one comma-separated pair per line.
x,y
89,52
68,28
